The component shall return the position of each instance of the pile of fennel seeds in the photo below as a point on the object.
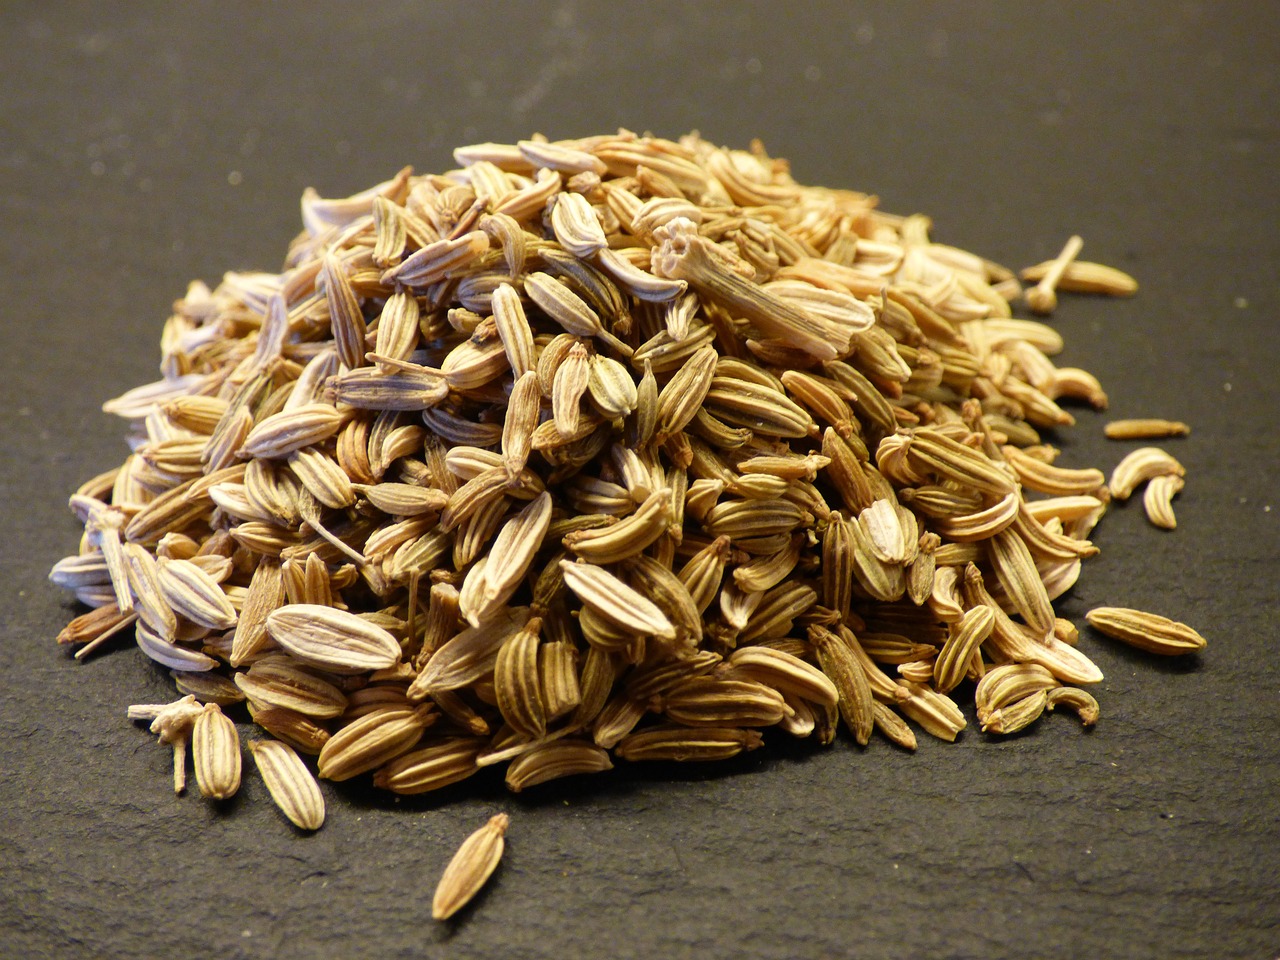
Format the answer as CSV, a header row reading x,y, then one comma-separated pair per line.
x,y
613,448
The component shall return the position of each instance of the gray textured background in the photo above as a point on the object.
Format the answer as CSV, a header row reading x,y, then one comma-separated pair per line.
x,y
142,145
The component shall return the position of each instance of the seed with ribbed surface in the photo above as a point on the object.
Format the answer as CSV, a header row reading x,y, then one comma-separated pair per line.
x,y
290,783
709,702
559,758
785,673
687,744
842,668
1017,715
332,639
1146,631
195,595
518,684
964,638
1139,466
470,867
215,750
1081,701
935,712
375,738
280,682
419,771
614,600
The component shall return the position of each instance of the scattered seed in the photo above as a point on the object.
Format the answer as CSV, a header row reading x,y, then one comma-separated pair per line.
x,y
1146,631
1145,429
470,868
291,785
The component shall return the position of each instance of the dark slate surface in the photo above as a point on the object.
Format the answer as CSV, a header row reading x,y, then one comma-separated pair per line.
x,y
142,145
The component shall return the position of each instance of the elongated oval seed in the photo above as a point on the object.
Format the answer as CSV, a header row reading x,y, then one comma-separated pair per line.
x,y
431,768
1149,428
332,639
841,666
289,782
282,433
215,750
373,739
1146,631
1017,715
470,868
194,594
687,744
965,637
785,673
616,601
281,685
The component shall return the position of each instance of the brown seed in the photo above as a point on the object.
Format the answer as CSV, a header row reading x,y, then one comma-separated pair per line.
x,y
376,737
431,768
687,745
518,684
560,758
841,666
291,785
470,868
615,601
1145,429
1146,631
963,641
1017,715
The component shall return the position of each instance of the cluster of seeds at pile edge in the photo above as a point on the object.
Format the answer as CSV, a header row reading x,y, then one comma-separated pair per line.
x,y
613,448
